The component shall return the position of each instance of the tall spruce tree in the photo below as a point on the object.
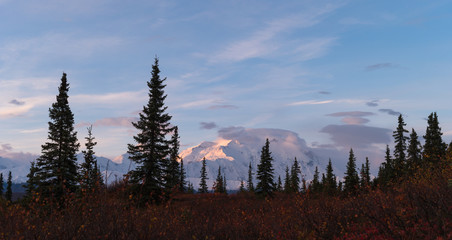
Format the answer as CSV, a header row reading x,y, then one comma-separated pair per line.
x,y
1,185
265,185
330,181
279,186
250,185
31,183
287,187
89,174
414,155
351,179
172,173
56,168
315,184
182,176
386,170
400,147
203,184
218,184
365,174
294,176
434,147
9,190
152,148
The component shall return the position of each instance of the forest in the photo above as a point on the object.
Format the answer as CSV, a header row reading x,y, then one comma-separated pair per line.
x,y
410,198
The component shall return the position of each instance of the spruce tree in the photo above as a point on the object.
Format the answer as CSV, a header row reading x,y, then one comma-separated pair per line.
x,y
287,187
242,187
218,184
89,174
250,185
414,156
386,170
173,172
182,176
152,148
224,183
434,147
279,186
1,185
365,174
31,183
294,178
400,147
265,185
330,182
203,183
9,191
315,184
56,168
351,179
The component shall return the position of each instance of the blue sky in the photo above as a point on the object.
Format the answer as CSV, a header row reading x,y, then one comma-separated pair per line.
x,y
336,72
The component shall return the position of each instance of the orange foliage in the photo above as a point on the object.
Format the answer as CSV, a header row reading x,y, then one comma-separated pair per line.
x,y
418,208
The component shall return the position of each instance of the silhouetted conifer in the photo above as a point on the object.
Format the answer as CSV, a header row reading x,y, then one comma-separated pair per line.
x,y
287,187
56,168
152,148
414,155
250,185
182,176
315,185
294,176
89,174
9,191
434,147
400,148
1,185
351,179
330,182
266,184
279,186
172,171
218,184
203,183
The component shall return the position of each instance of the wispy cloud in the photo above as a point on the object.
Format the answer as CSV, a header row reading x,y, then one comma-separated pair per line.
x,y
310,102
314,49
207,125
17,102
357,136
353,118
109,98
351,114
225,106
380,66
373,103
389,111
324,92
260,43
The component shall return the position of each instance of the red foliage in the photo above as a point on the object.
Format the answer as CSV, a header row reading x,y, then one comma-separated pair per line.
x,y
418,208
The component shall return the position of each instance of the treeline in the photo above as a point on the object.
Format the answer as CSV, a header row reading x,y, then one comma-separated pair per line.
x,y
160,171
407,158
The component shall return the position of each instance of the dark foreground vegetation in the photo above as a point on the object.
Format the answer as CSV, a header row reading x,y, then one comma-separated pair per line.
x,y
409,199
418,208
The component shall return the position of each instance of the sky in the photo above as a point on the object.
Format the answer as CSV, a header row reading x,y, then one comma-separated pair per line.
x,y
338,73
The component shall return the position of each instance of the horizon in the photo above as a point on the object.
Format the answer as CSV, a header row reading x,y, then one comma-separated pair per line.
x,y
336,73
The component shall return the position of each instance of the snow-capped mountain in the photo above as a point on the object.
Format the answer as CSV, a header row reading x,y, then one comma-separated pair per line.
x,y
233,151
238,147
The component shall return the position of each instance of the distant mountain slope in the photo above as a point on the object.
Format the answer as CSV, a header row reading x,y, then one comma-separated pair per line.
x,y
238,147
235,149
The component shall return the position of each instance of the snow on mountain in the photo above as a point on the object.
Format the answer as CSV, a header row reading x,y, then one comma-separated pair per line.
x,y
237,147
233,151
